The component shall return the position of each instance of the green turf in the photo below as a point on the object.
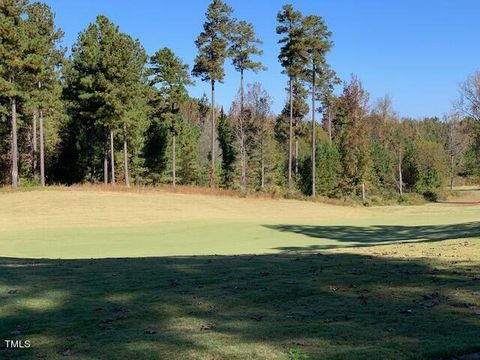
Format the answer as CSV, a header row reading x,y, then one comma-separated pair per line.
x,y
215,237
324,286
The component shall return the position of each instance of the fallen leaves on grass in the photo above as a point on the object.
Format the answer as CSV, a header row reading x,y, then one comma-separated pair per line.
x,y
430,300
212,309
120,317
300,342
121,309
19,330
363,299
150,331
174,282
256,317
66,352
208,326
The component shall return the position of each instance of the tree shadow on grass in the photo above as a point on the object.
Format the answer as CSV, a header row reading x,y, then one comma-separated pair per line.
x,y
358,236
330,306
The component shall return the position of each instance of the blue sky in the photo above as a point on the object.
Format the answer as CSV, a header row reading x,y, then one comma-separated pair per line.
x,y
415,51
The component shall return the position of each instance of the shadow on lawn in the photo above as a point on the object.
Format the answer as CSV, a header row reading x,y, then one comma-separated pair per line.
x,y
378,234
240,307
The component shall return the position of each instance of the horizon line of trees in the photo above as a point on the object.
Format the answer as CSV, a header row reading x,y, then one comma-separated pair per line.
x,y
112,113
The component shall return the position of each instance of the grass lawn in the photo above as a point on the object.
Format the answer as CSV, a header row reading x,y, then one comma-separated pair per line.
x,y
157,275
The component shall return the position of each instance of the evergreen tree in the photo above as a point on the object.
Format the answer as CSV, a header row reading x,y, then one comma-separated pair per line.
x,y
13,49
105,91
293,56
43,61
85,138
129,94
212,44
317,73
171,76
244,45
297,108
226,140
328,169
381,163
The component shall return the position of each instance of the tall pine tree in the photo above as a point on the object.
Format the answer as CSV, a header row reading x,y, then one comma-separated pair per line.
x,y
13,48
317,73
43,61
244,46
171,75
293,56
212,44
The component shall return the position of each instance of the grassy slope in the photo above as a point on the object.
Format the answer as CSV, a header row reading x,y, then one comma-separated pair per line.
x,y
88,224
393,301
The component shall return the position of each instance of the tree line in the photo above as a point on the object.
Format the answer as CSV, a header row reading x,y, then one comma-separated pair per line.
x,y
109,112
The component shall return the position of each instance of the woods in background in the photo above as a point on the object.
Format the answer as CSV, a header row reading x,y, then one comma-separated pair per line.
x,y
110,113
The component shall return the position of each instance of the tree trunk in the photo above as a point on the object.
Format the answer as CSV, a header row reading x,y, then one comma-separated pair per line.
x,y
212,151
363,192
329,124
112,157
313,134
125,156
174,160
242,136
91,154
400,176
105,166
290,136
452,172
42,151
14,144
34,143
296,157
262,164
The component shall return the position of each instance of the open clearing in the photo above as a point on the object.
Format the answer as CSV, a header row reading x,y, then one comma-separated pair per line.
x,y
158,275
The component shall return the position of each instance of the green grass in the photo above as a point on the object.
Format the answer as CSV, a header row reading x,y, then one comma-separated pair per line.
x,y
291,278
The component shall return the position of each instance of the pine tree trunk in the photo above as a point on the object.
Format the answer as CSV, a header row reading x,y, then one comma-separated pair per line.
x,y
112,157
329,124
34,144
400,176
91,155
242,135
296,157
290,136
452,172
14,148
263,167
313,134
42,151
174,160
212,151
105,166
125,156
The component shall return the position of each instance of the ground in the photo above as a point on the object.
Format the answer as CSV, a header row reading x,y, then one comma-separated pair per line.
x,y
158,275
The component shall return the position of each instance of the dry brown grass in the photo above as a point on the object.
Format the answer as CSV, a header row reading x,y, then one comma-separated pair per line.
x,y
179,189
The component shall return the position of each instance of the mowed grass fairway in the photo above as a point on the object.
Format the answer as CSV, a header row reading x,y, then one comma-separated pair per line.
x,y
94,274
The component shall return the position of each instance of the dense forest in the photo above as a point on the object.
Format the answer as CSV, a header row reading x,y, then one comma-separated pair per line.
x,y
111,113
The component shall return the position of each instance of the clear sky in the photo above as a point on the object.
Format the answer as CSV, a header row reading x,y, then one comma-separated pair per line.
x,y
417,51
